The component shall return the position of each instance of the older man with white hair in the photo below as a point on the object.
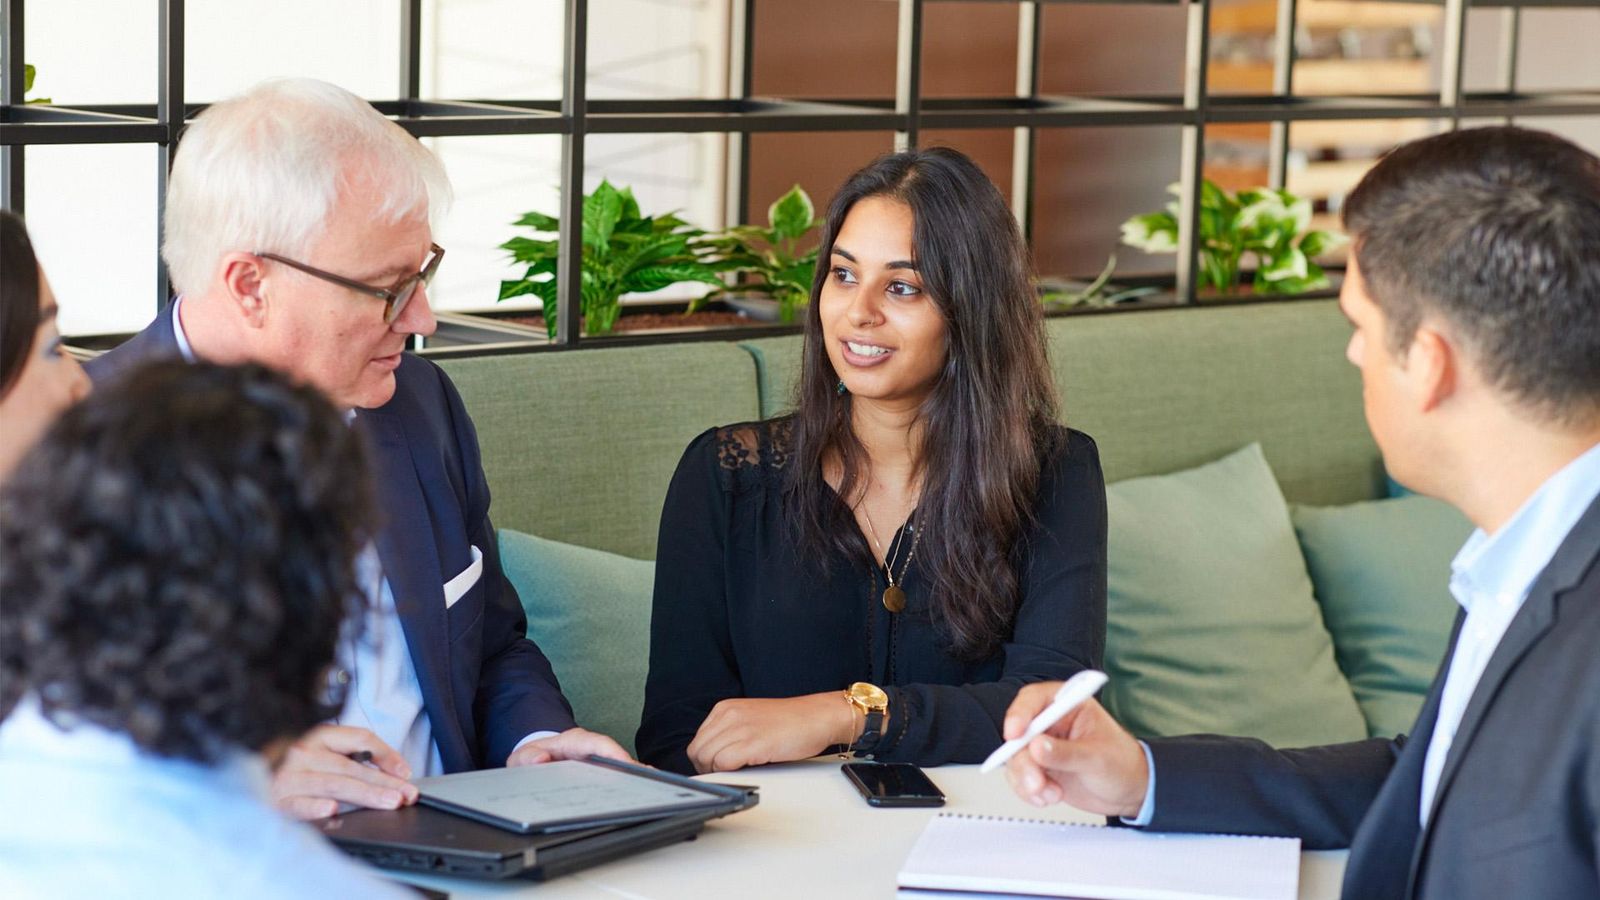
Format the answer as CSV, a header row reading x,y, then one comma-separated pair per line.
x,y
298,233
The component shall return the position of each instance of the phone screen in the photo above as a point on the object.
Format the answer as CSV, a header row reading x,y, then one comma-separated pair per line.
x,y
893,784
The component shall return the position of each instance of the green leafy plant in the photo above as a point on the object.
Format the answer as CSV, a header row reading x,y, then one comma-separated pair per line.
x,y
27,84
771,255
1269,224
623,252
1094,293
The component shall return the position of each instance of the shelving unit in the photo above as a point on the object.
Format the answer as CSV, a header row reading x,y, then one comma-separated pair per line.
x,y
1275,96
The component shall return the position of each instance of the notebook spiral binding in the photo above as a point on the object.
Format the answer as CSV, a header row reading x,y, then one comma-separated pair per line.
x,y
1023,820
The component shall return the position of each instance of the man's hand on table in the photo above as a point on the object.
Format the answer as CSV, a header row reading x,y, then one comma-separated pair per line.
x,y
1086,760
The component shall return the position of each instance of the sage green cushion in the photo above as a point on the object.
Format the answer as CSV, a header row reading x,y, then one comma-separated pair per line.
x,y
580,446
589,611
1212,624
1381,570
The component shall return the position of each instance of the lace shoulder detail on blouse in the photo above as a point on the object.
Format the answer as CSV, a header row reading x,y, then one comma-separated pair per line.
x,y
754,449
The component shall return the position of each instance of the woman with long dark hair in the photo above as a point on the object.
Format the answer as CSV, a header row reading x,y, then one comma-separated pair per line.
x,y
37,378
883,569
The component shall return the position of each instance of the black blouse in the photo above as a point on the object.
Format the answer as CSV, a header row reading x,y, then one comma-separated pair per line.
x,y
738,613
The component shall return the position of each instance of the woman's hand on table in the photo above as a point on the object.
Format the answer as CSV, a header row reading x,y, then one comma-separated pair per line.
x,y
751,732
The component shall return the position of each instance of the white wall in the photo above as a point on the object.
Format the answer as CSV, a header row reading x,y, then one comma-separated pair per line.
x,y
92,208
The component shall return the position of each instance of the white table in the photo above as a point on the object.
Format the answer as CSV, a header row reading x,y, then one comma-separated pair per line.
x,y
811,837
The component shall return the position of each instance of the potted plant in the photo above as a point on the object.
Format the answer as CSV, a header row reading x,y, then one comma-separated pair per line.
x,y
1269,224
781,271
623,252
1058,295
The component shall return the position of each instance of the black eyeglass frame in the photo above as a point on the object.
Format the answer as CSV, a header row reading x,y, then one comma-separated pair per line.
x,y
395,297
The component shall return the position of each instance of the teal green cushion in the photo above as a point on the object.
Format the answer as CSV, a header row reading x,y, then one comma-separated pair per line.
x,y
1212,624
1381,570
589,611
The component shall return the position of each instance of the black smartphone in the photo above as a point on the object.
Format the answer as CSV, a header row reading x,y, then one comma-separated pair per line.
x,y
893,784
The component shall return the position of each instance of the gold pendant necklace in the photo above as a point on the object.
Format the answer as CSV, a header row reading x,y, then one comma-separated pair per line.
x,y
894,597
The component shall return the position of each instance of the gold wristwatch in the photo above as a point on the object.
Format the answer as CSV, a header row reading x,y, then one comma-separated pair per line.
x,y
874,706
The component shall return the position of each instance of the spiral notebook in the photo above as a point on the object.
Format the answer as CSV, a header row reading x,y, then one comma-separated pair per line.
x,y
993,855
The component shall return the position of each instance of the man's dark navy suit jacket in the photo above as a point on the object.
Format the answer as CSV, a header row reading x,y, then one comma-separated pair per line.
x,y
1517,809
484,684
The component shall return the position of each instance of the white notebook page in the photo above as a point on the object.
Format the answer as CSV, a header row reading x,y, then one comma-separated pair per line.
x,y
1053,859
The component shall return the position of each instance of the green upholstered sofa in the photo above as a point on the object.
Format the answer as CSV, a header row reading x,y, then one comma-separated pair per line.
x,y
579,447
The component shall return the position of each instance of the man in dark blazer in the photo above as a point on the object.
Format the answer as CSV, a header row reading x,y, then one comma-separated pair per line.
x,y
1474,292
298,233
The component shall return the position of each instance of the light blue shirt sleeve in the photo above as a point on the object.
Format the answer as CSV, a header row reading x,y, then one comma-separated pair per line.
x,y
536,736
1148,810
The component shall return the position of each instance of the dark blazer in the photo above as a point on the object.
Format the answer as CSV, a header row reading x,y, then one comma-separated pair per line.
x,y
1517,810
484,684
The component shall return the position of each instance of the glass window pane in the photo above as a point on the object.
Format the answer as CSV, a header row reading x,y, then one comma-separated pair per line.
x,y
114,61
91,212
496,180
231,46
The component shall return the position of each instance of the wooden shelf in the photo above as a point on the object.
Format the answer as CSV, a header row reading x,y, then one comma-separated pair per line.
x,y
1313,135
1261,16
1327,77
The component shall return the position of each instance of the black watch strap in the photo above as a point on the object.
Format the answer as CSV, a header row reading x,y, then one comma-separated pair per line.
x,y
871,732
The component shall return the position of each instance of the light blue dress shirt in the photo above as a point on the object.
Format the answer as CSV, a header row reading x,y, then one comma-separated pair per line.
x,y
85,813
1490,578
383,693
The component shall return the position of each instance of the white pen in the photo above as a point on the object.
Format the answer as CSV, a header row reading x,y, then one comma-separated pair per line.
x,y
1077,689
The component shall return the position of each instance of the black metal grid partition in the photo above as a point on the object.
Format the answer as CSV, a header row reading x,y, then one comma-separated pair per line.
x,y
574,117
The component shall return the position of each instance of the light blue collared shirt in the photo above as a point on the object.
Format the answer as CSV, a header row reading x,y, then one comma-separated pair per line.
x,y
1490,578
87,814
384,694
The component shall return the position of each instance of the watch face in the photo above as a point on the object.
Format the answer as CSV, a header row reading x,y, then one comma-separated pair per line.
x,y
869,696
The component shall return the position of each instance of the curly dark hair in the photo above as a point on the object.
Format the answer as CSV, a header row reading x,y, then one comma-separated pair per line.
x,y
179,558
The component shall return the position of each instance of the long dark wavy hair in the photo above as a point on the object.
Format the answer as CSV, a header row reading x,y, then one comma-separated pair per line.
x,y
989,421
179,559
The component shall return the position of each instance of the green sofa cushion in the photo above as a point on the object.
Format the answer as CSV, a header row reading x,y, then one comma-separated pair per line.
x,y
589,611
579,447
1381,571
1212,623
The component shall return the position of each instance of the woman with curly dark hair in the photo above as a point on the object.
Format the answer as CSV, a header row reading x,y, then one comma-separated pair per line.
x,y
885,568
179,556
37,378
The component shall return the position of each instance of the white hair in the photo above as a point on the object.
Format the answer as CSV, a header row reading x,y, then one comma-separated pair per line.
x,y
263,170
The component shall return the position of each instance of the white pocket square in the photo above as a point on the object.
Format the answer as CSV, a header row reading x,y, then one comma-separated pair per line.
x,y
457,587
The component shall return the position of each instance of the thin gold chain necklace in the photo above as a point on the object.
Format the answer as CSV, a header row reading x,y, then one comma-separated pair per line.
x,y
894,597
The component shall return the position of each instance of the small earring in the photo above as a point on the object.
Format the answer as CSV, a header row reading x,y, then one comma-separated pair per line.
x,y
841,390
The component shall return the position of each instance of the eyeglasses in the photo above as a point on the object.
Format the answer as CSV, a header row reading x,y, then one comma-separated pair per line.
x,y
395,297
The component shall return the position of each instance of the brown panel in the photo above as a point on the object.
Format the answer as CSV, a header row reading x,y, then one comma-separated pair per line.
x,y
817,161
1087,182
990,149
969,50
823,49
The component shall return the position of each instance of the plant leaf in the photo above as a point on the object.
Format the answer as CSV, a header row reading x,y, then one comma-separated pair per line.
x,y
1151,232
654,278
27,77
538,221
1291,264
528,250
791,215
1316,243
601,212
